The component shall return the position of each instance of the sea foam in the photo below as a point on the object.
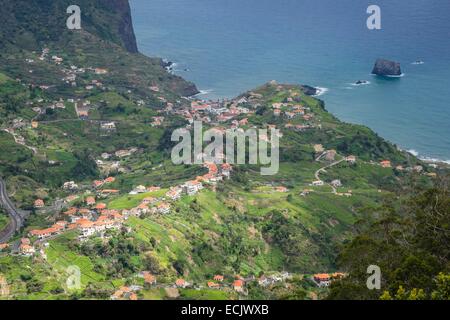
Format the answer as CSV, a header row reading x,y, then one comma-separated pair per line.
x,y
320,91
427,159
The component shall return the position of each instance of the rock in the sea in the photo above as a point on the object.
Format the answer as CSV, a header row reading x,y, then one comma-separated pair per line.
x,y
387,68
308,90
166,64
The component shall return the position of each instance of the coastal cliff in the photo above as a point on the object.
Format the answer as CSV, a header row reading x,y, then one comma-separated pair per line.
x,y
106,40
125,25
40,22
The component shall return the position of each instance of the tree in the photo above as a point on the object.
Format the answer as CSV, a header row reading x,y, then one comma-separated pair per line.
x,y
442,291
152,264
408,240
85,166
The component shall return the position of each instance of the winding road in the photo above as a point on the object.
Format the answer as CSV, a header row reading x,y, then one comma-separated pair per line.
x,y
17,218
323,170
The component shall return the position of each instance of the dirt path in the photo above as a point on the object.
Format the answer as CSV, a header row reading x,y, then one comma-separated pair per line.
x,y
20,140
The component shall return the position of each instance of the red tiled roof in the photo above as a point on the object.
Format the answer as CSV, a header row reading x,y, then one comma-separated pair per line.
x,y
218,277
180,282
322,276
100,206
238,283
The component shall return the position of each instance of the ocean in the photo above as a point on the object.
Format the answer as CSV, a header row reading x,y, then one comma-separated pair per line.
x,y
228,47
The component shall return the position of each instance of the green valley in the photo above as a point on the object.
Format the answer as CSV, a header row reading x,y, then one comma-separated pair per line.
x,y
86,124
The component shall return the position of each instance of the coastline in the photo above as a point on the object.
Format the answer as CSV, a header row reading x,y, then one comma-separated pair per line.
x,y
410,111
427,159
323,91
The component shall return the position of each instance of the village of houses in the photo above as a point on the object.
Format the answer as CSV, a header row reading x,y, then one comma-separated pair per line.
x,y
94,218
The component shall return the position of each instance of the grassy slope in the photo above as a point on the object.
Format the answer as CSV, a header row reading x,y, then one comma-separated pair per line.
x,y
236,229
244,228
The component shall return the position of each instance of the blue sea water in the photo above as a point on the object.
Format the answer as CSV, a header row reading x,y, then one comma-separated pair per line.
x,y
228,47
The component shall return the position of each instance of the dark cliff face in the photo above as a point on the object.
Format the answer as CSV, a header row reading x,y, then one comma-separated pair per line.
x,y
30,24
308,90
125,25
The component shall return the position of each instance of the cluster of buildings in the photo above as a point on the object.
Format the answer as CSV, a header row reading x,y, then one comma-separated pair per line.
x,y
71,73
25,248
190,188
56,229
215,174
265,281
99,183
126,293
108,220
149,205
83,220
325,279
238,283
291,110
95,218
216,111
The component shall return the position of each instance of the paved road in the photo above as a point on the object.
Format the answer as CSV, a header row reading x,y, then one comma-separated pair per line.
x,y
16,217
317,174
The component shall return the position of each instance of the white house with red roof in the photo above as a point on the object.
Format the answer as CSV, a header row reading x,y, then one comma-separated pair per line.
x,y
174,193
192,187
163,208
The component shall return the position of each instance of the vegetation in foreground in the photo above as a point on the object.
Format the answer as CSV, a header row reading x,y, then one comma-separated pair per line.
x,y
409,241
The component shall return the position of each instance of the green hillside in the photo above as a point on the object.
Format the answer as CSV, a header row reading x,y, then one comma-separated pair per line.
x,y
55,121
